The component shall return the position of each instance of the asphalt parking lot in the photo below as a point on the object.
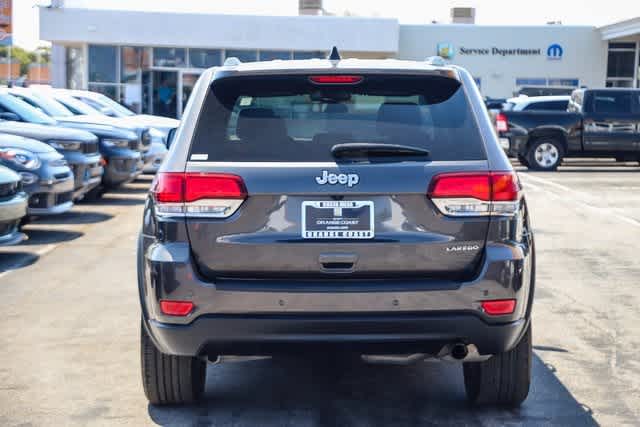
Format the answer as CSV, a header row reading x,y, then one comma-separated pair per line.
x,y
70,328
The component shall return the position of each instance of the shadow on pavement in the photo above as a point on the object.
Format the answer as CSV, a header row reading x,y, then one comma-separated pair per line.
x,y
39,236
74,217
346,392
16,260
130,190
113,200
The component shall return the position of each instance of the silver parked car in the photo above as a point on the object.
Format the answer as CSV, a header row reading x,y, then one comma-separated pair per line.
x,y
46,177
13,207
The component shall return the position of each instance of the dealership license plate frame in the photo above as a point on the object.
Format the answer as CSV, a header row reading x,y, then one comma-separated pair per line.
x,y
366,231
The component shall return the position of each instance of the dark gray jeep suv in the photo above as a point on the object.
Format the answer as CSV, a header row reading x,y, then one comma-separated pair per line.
x,y
349,205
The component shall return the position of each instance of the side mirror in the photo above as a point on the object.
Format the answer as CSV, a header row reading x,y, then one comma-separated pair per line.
x,y
170,135
107,111
13,117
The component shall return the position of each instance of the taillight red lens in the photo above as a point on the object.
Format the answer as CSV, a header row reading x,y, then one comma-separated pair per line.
x,y
449,185
502,124
176,187
336,79
176,308
168,187
213,186
486,186
499,306
505,186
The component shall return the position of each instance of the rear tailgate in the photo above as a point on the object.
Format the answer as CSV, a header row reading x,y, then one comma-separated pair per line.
x,y
307,214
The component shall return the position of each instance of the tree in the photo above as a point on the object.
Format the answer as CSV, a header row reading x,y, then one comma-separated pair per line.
x,y
25,57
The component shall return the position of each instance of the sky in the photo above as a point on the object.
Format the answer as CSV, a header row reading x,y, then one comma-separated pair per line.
x,y
488,12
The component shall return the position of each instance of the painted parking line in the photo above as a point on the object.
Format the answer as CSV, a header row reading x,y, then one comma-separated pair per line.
x,y
581,198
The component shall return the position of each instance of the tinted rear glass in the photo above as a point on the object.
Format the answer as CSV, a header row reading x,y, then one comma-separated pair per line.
x,y
289,118
548,106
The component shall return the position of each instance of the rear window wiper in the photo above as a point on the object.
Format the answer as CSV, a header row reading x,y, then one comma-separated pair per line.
x,y
371,149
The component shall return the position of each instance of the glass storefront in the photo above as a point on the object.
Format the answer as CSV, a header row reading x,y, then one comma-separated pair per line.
x,y
623,64
155,80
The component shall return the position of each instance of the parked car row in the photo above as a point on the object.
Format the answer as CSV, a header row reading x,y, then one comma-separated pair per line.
x,y
596,123
58,147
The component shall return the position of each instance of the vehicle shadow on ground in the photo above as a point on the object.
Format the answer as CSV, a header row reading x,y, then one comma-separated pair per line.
x,y
112,199
16,260
74,217
346,392
38,236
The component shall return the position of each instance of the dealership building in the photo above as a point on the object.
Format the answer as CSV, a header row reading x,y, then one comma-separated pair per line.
x,y
150,60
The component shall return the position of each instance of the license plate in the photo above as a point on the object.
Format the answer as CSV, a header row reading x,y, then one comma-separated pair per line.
x,y
337,219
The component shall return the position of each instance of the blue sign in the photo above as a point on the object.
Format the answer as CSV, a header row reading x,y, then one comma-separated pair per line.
x,y
555,51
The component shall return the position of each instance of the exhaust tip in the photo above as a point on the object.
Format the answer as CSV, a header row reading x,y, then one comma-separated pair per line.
x,y
459,351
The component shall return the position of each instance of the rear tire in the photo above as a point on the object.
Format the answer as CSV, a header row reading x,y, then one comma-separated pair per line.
x,y
170,380
504,379
545,154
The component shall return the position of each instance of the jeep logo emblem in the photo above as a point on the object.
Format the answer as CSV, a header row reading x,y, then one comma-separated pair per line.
x,y
349,180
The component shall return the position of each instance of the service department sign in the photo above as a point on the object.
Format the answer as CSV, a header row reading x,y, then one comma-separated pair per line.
x,y
448,51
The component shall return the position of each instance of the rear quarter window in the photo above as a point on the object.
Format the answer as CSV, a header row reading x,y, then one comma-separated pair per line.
x,y
291,119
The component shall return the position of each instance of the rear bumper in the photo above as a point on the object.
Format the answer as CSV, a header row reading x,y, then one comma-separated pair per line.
x,y
237,316
366,333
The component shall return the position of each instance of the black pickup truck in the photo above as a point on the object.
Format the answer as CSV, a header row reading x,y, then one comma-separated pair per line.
x,y
597,123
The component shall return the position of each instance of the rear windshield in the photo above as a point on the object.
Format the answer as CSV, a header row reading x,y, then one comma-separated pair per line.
x,y
289,118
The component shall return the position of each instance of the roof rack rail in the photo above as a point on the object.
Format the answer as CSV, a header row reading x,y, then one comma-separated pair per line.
x,y
438,61
232,61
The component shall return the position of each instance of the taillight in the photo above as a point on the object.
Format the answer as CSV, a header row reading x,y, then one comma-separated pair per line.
x,y
502,124
336,79
498,307
214,195
476,193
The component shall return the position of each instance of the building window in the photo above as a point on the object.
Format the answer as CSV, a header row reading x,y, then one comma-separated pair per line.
x,y
75,63
619,83
205,58
563,82
308,55
268,55
169,57
133,59
110,90
102,63
543,81
621,64
242,55
531,81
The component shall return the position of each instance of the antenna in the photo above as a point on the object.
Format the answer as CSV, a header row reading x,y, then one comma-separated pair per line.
x,y
335,55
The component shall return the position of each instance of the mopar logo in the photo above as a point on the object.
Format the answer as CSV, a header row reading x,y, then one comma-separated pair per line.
x,y
555,51
446,50
338,178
